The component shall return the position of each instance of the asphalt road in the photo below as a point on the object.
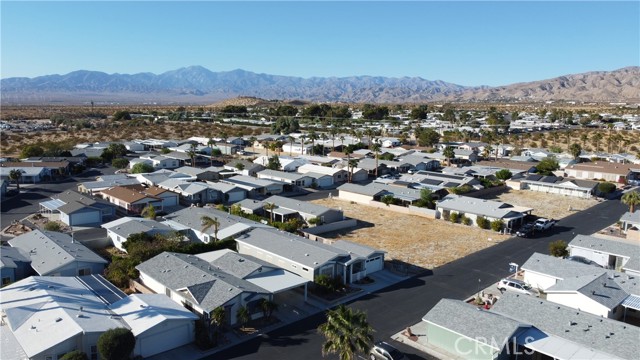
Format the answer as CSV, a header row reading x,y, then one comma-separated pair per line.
x,y
27,202
393,309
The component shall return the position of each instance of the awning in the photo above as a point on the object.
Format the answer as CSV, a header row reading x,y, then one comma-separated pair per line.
x,y
277,280
632,302
559,348
52,205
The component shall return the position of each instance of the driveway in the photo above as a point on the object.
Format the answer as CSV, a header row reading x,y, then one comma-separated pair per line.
x,y
392,309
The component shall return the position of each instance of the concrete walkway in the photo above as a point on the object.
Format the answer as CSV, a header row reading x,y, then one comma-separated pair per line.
x,y
292,307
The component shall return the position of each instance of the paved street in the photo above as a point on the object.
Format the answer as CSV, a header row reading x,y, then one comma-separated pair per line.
x,y
27,203
393,309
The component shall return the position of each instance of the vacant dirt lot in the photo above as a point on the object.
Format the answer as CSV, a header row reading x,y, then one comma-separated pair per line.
x,y
545,205
412,239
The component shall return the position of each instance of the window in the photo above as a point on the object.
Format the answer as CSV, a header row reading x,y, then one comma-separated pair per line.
x,y
94,352
6,280
85,271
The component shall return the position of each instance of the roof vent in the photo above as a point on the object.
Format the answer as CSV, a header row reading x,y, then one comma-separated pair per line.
x,y
58,319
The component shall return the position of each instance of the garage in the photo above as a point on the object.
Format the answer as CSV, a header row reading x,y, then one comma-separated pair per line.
x,y
323,181
153,342
375,264
158,323
82,217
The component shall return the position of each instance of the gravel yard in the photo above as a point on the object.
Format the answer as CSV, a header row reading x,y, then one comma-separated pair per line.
x,y
409,238
545,205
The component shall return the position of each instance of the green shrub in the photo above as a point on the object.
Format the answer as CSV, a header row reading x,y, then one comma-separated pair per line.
x,y
52,226
453,217
116,344
606,187
497,225
465,220
558,248
482,222
75,355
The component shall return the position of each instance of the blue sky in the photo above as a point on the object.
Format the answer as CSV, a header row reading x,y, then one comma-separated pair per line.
x,y
468,43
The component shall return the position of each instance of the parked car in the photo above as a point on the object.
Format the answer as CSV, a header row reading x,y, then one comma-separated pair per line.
x,y
583,260
543,224
525,231
384,351
516,286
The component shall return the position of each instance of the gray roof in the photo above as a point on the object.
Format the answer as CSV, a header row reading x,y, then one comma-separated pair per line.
x,y
282,174
250,204
469,321
239,265
355,248
26,171
127,226
298,205
224,187
196,279
250,182
558,267
466,204
631,218
50,250
10,255
295,248
632,251
75,201
592,332
361,189
92,185
599,288
190,170
191,217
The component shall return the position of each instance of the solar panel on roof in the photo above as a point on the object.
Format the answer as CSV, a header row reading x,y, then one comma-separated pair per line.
x,y
549,179
431,182
534,177
450,184
102,288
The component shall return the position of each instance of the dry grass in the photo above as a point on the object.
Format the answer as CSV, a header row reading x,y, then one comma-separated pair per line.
x,y
545,205
412,239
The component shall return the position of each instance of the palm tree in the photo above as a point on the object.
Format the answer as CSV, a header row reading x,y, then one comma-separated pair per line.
x,y
303,137
16,175
486,153
291,140
632,199
208,222
346,333
449,154
610,127
313,137
149,212
211,143
268,307
348,152
334,132
596,140
575,149
584,138
369,133
376,150
192,154
342,141
253,140
269,207
243,316
218,317
352,164
266,145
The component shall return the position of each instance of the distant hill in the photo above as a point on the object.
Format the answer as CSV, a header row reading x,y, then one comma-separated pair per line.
x,y
196,84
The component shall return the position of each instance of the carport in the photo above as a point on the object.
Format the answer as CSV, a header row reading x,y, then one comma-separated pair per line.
x,y
51,206
631,302
279,280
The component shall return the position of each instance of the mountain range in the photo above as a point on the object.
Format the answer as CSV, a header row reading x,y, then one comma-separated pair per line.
x,y
198,85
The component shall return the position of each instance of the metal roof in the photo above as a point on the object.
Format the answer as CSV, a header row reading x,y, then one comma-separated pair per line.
x,y
632,302
52,205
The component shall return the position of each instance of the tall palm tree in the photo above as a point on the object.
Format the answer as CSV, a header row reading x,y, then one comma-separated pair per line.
x,y
449,154
334,133
268,307
313,137
584,137
210,144
16,175
376,150
348,152
269,207
632,199
218,316
208,223
352,164
291,140
253,140
303,137
347,333
342,141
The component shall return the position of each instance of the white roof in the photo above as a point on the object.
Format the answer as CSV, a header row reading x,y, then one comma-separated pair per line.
x,y
276,281
145,311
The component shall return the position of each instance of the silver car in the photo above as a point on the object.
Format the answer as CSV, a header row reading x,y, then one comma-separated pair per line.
x,y
516,286
384,351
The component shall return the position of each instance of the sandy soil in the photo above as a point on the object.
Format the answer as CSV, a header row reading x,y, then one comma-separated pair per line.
x,y
412,239
545,205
